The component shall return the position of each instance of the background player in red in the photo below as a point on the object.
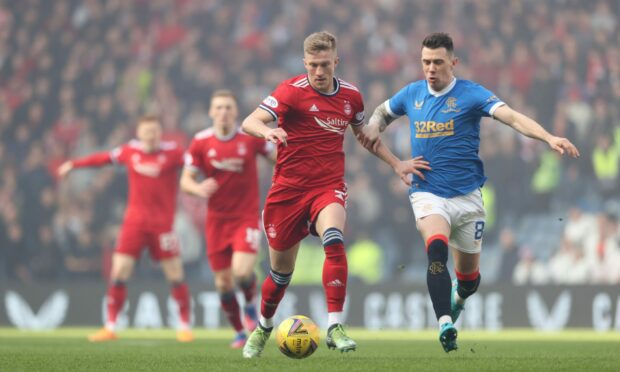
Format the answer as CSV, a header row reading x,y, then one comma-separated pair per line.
x,y
152,167
227,157
308,192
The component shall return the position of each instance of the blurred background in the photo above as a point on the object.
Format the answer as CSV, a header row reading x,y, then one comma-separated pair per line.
x,y
75,76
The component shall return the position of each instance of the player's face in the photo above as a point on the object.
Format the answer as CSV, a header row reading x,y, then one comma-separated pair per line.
x,y
321,67
223,112
149,133
438,66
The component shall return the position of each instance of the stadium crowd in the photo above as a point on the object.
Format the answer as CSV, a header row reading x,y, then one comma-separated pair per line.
x,y
76,75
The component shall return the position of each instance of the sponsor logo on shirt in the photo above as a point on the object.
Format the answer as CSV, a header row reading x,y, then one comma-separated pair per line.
x,y
418,105
271,101
313,108
228,164
335,125
430,129
212,153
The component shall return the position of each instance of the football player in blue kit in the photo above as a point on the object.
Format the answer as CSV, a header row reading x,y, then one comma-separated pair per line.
x,y
444,116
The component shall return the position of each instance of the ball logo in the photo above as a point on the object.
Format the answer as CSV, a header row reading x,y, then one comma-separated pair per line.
x,y
271,101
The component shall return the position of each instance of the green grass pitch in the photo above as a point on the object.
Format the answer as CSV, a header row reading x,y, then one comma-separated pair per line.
x,y
147,350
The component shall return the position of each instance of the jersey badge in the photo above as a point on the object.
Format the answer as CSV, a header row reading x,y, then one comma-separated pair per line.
x,y
451,103
241,149
347,108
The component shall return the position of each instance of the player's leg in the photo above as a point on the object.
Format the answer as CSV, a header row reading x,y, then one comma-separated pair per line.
x,y
122,269
274,286
435,231
243,264
329,225
164,248
173,271
285,222
466,266
466,240
225,287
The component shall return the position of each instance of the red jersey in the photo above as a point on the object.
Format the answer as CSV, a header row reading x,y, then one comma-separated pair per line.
x,y
315,123
232,162
153,181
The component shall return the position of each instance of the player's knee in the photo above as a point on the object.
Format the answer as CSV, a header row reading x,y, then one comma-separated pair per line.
x,y
467,283
332,236
437,251
227,296
280,279
245,280
118,283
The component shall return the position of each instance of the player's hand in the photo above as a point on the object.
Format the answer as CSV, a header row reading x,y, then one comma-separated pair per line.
x,y
562,145
65,168
412,166
277,136
207,188
369,137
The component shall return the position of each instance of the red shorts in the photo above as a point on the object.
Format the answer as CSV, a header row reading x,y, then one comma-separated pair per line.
x,y
231,234
162,244
290,213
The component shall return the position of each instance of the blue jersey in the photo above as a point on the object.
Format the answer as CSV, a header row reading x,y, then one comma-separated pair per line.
x,y
445,130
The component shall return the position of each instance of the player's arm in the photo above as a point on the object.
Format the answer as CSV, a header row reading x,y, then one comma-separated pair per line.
x,y
379,120
401,167
256,125
94,160
190,184
529,127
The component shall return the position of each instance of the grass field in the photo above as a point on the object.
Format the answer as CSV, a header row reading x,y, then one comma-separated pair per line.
x,y
138,350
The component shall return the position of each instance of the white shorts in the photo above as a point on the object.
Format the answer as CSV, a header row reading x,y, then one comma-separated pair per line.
x,y
465,214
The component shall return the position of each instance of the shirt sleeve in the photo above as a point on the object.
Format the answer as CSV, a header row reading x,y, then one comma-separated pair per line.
x,y
358,118
486,101
193,158
397,105
279,102
94,160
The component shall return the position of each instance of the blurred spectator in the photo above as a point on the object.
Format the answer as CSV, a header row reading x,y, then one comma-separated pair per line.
x,y
529,269
510,254
109,62
602,250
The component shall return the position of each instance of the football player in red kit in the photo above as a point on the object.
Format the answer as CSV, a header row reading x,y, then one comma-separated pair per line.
x,y
227,158
308,192
152,168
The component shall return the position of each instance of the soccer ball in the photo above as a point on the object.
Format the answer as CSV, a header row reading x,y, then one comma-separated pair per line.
x,y
297,337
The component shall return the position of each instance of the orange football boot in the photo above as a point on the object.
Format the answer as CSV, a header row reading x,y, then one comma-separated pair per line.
x,y
185,335
102,335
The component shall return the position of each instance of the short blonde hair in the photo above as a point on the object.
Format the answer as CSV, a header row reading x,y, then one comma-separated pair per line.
x,y
319,41
149,118
223,93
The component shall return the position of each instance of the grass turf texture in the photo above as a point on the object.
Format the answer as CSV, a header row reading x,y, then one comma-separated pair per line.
x,y
147,350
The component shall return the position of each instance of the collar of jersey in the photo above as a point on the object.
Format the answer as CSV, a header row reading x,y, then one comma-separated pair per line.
x,y
225,138
442,92
336,89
